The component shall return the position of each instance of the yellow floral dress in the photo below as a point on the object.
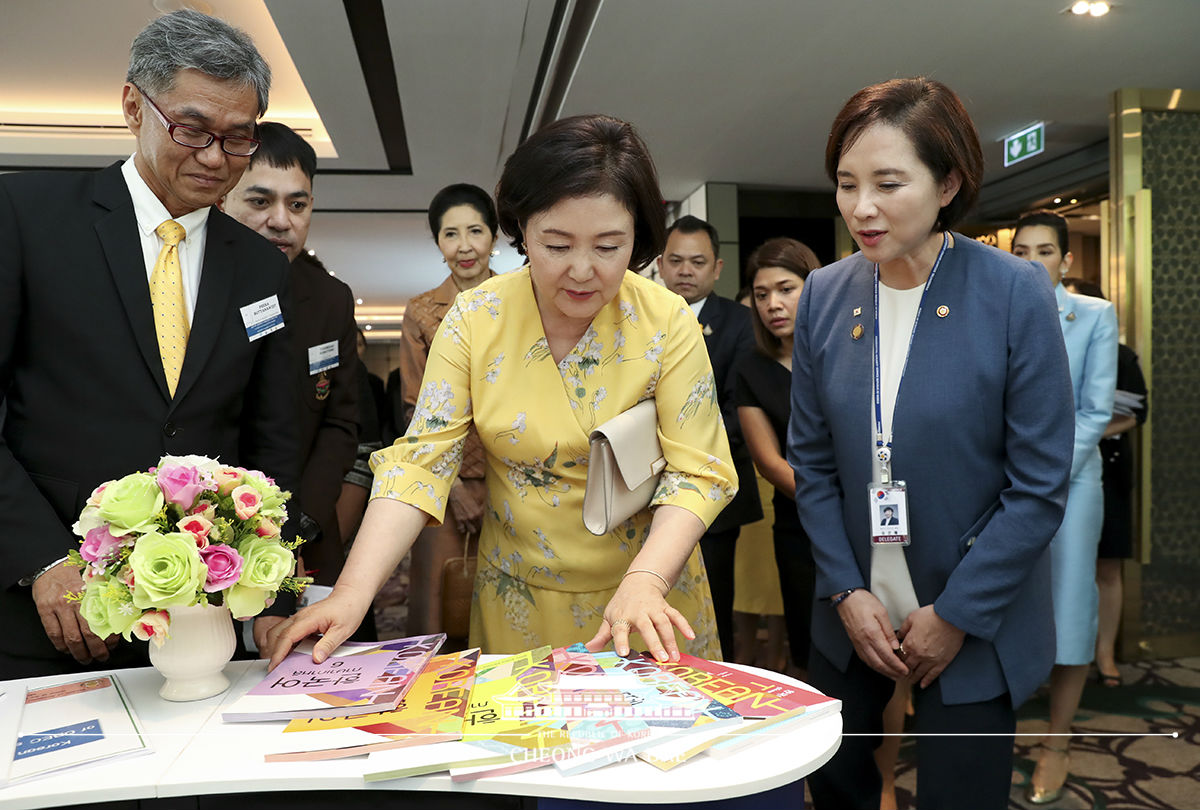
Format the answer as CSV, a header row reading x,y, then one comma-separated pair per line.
x,y
543,578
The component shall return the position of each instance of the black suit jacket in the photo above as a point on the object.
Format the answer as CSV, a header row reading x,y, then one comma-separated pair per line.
x,y
83,381
328,425
729,336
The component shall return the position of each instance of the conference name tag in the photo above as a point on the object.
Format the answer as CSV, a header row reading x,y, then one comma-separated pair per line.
x,y
322,357
888,514
262,317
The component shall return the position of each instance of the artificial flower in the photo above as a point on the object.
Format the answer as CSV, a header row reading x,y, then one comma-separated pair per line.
x,y
224,566
198,527
131,504
152,626
107,607
181,484
167,570
246,501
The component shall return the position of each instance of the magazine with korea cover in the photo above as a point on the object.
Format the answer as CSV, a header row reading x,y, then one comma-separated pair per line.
x,y
357,678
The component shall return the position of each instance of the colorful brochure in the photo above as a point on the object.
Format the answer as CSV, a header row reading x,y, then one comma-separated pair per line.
x,y
431,711
73,724
357,678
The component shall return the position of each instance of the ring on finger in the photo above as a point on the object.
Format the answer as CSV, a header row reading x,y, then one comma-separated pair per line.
x,y
619,623
901,650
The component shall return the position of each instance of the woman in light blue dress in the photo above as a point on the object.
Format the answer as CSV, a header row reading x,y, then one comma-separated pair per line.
x,y
1089,328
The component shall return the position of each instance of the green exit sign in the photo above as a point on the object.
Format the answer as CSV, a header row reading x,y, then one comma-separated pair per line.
x,y
1025,144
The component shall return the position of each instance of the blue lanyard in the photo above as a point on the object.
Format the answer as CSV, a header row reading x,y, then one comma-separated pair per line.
x,y
884,450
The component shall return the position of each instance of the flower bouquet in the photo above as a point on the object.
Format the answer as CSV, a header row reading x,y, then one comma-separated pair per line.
x,y
191,531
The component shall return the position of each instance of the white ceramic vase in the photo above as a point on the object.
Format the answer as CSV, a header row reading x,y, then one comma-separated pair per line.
x,y
200,643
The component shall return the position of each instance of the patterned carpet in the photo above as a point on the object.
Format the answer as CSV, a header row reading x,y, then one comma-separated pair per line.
x,y
1116,761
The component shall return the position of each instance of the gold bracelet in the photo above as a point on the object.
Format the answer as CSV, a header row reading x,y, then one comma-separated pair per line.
x,y
651,573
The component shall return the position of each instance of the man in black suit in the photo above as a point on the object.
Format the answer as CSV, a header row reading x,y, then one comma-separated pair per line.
x,y
690,265
93,389
889,517
275,199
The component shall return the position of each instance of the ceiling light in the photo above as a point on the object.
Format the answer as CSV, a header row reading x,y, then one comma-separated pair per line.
x,y
367,328
1057,200
1081,7
358,301
1098,9
1073,201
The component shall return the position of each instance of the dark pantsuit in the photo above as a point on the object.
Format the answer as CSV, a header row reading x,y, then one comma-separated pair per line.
x,y
970,766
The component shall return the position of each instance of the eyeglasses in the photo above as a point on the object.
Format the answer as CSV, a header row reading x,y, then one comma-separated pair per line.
x,y
195,138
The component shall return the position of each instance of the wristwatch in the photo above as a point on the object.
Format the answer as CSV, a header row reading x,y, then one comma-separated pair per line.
x,y
29,579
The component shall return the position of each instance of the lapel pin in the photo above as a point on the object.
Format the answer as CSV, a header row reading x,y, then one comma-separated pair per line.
x,y
857,311
856,332
1070,316
943,311
707,329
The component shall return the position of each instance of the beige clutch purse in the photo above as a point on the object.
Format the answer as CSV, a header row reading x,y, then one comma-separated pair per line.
x,y
623,468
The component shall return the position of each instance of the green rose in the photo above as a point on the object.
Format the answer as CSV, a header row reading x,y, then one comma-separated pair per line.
x,y
108,608
265,564
131,504
167,570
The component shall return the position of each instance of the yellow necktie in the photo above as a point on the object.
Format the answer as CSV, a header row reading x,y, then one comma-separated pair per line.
x,y
166,294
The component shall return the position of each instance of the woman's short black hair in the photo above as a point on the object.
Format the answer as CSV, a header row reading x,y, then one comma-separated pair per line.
x,y
583,156
461,194
1054,221
936,122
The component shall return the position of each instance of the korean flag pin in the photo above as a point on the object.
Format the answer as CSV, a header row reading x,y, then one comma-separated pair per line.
x,y
856,332
857,311
943,311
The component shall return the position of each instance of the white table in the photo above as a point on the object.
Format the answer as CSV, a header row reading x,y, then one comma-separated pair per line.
x,y
197,754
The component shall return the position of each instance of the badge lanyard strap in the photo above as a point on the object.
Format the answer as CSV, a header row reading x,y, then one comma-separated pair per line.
x,y
884,450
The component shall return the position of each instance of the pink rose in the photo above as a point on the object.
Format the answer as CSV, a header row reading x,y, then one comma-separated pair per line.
x,y
266,528
246,501
198,527
99,545
152,626
204,510
94,499
180,484
224,566
227,479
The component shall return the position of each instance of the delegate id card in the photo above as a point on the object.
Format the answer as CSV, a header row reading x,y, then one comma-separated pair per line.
x,y
262,317
888,514
322,357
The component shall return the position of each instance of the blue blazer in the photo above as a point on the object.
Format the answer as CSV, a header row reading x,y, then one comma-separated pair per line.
x,y
983,425
1089,328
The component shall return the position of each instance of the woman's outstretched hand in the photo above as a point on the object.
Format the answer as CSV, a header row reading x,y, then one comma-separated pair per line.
x,y
335,617
640,606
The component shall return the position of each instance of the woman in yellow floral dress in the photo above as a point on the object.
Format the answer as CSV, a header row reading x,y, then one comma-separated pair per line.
x,y
536,359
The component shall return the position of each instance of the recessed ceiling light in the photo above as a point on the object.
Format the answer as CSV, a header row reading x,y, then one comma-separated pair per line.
x,y
1098,9
358,301
1057,200
1073,201
1080,8
367,328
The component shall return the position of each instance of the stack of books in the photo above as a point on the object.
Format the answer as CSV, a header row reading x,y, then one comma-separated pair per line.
x,y
408,711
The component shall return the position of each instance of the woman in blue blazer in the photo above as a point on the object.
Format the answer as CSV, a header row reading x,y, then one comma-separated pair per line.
x,y
974,416
1089,328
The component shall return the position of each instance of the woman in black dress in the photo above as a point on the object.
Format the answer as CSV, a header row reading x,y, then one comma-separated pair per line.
x,y
776,273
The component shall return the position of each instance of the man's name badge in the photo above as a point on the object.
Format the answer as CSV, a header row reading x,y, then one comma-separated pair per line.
x,y
322,357
262,318
887,513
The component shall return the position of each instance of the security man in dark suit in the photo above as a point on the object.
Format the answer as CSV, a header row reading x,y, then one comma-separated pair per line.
x,y
100,377
275,199
690,265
